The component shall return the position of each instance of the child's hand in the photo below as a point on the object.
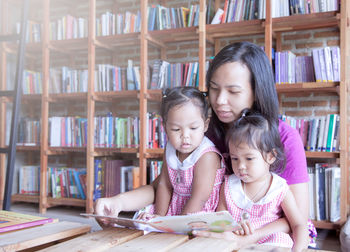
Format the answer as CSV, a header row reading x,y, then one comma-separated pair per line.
x,y
108,207
246,228
146,216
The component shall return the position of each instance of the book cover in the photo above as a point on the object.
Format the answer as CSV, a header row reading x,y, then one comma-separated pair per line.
x,y
180,224
10,221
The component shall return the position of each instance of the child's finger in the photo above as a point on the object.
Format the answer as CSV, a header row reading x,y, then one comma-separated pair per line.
x,y
245,228
250,227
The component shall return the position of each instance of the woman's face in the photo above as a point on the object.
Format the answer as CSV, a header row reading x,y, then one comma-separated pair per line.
x,y
230,91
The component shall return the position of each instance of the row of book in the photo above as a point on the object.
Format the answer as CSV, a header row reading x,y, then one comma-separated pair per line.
x,y
155,132
167,75
117,132
120,23
33,34
322,66
28,132
113,177
155,167
68,27
318,134
67,80
63,182
281,8
110,131
324,192
113,78
67,182
32,82
239,10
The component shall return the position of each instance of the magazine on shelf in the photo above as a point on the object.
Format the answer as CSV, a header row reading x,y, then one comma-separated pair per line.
x,y
180,224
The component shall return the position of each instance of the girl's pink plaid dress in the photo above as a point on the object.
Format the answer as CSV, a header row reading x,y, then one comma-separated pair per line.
x,y
181,177
266,210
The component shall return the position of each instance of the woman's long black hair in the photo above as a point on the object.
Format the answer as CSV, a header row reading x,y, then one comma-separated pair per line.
x,y
262,80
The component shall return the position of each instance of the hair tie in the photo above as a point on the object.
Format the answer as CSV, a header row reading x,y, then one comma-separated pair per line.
x,y
205,94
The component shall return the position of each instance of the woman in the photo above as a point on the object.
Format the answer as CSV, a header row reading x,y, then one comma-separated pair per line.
x,y
240,76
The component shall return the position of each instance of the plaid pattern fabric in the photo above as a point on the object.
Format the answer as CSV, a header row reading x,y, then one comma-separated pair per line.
x,y
267,210
181,181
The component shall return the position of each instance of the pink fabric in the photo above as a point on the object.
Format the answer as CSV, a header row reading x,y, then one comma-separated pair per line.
x,y
182,190
260,213
296,168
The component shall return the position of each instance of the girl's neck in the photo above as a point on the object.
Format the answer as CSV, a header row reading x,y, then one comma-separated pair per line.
x,y
182,156
256,190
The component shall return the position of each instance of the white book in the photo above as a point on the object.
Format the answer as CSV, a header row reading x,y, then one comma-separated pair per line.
x,y
328,63
334,210
322,65
315,132
311,193
321,133
218,16
317,67
335,54
55,131
325,133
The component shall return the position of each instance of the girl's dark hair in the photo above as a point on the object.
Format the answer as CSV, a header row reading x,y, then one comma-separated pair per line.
x,y
253,129
262,80
181,95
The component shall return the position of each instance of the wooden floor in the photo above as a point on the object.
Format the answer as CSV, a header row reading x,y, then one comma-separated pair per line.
x,y
327,239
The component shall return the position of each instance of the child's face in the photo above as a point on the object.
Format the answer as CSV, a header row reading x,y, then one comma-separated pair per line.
x,y
248,164
185,128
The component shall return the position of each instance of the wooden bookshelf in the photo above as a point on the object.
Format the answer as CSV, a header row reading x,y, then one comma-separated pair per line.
x,y
271,28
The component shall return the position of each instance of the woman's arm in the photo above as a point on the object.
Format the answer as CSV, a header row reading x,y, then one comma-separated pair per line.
x,y
297,222
203,181
163,192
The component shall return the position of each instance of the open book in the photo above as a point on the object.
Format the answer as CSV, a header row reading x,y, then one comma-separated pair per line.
x,y
181,224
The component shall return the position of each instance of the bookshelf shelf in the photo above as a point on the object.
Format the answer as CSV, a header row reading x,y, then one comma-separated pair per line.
x,y
119,40
65,201
175,35
251,27
154,95
318,154
331,87
327,225
25,198
112,96
64,150
67,97
27,148
69,45
101,151
305,22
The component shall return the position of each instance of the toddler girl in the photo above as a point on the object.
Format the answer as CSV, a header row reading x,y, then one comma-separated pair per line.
x,y
254,194
193,172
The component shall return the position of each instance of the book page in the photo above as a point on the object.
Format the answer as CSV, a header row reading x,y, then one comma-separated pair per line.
x,y
181,224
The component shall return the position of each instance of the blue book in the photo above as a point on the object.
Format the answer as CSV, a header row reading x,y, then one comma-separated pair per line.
x,y
77,176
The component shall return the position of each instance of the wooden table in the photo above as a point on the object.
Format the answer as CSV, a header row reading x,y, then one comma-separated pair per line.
x,y
39,237
122,239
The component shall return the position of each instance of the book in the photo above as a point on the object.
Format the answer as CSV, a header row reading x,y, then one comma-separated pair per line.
x,y
10,221
180,224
